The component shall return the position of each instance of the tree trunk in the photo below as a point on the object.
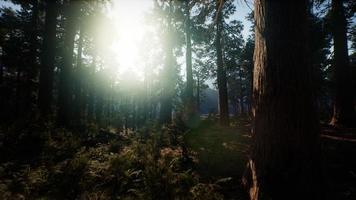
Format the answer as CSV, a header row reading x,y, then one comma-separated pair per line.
x,y
242,111
78,110
65,82
189,90
344,111
285,153
99,104
198,92
221,72
250,95
32,71
167,76
91,92
48,58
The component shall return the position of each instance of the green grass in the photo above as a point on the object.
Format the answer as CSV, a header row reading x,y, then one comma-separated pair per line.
x,y
222,152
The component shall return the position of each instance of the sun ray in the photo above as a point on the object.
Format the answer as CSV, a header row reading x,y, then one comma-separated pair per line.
x,y
130,28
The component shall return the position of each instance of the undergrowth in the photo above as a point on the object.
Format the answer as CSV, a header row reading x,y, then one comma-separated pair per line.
x,y
43,162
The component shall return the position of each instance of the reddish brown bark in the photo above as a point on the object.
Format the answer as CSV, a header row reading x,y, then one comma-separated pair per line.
x,y
285,160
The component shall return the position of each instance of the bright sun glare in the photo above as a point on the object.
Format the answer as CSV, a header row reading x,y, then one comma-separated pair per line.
x,y
130,28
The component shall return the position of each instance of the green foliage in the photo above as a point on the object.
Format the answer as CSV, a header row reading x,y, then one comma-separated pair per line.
x,y
127,167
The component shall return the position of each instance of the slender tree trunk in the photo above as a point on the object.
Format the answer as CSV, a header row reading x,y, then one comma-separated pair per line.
x,y
236,107
189,90
65,82
168,78
221,72
250,95
78,87
242,111
32,71
99,104
198,92
48,58
91,92
344,110
285,158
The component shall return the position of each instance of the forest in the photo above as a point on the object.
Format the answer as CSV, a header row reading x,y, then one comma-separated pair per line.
x,y
178,99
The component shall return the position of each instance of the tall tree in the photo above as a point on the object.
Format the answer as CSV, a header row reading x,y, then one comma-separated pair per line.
x,y
167,75
191,107
48,58
235,67
247,61
65,84
78,87
221,71
285,154
32,70
344,110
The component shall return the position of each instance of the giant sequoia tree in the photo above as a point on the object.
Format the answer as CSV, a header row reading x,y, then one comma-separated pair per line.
x,y
284,161
344,111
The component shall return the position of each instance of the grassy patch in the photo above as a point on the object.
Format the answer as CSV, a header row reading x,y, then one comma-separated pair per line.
x,y
222,152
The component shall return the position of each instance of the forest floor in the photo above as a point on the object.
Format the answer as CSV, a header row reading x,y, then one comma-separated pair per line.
x,y
339,152
152,163
223,152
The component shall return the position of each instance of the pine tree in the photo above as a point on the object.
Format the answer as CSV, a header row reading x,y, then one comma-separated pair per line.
x,y
48,59
344,108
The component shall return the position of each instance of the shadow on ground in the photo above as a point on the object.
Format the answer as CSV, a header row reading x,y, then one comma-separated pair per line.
x,y
222,154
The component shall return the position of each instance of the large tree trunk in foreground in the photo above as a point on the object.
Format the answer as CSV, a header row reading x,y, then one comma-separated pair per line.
x,y
48,57
344,111
65,82
285,158
221,72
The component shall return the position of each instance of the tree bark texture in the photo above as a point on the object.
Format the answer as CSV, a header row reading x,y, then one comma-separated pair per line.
x,y
285,153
